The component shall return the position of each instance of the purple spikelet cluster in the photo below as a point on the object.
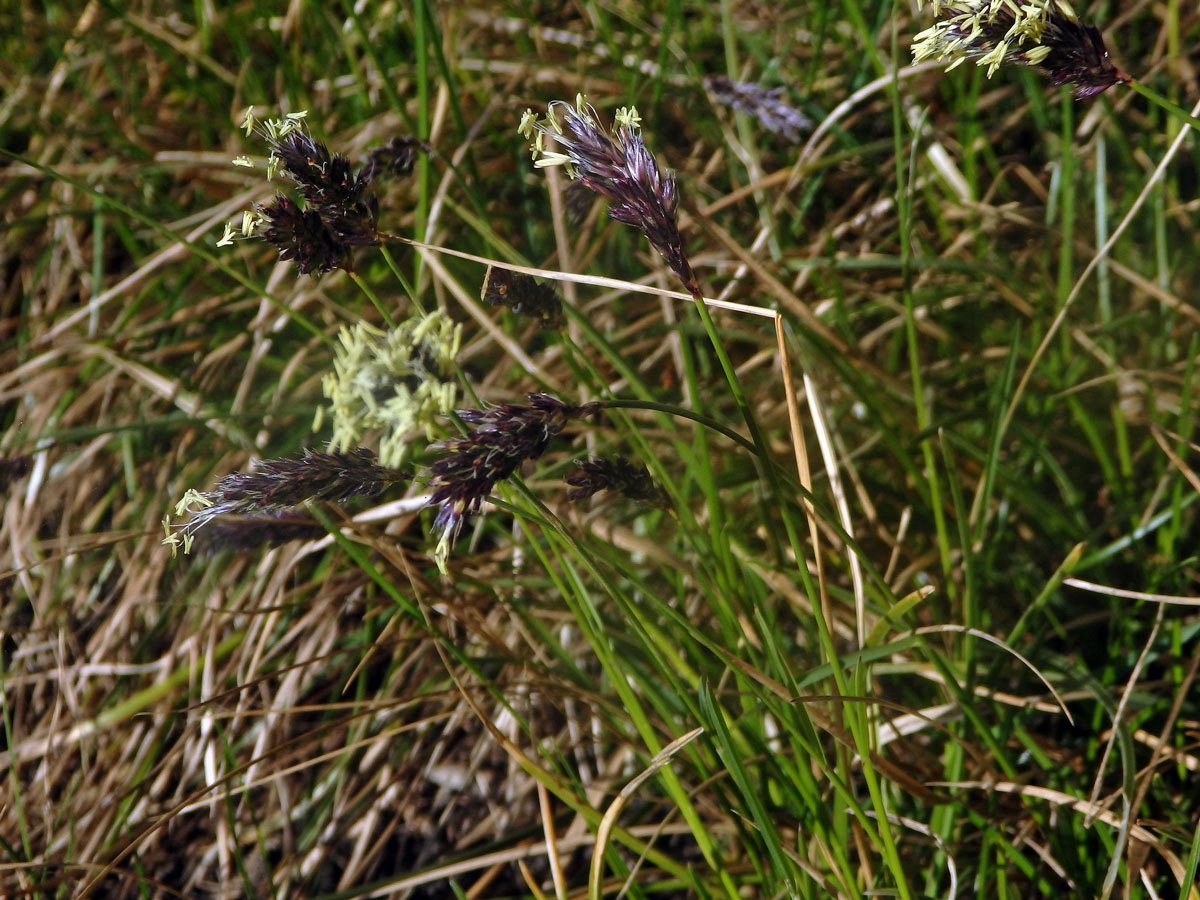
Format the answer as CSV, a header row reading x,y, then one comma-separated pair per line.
x,y
1078,57
316,475
773,113
620,475
501,440
302,235
326,181
339,210
1045,36
244,500
618,167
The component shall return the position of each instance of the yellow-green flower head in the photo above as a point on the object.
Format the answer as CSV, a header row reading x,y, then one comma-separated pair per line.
x,y
400,381
1043,34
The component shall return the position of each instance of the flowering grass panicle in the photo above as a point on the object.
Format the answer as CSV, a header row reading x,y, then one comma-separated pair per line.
x,y
619,168
399,381
620,475
281,484
396,158
325,180
339,210
332,477
503,438
1043,34
302,235
523,294
773,113
331,187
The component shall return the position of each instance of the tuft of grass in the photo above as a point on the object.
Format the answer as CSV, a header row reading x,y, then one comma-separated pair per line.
x,y
912,612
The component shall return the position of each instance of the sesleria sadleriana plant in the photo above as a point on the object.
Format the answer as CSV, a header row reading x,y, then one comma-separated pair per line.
x,y
618,167
260,499
1043,34
621,169
502,440
338,212
401,381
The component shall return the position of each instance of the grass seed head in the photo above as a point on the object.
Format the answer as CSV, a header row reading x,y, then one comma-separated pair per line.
x,y
325,180
620,475
503,438
302,235
333,477
773,113
399,381
522,294
280,484
338,213
619,168
1044,35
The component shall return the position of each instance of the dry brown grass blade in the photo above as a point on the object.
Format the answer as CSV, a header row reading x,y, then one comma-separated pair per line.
x,y
1184,469
172,253
523,760
1058,798
803,468
1169,599
552,854
983,635
609,821
1162,751
530,881
595,280
1161,748
833,472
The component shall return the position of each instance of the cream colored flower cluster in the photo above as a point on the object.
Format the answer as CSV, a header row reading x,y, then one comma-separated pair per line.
x,y
399,381
990,32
